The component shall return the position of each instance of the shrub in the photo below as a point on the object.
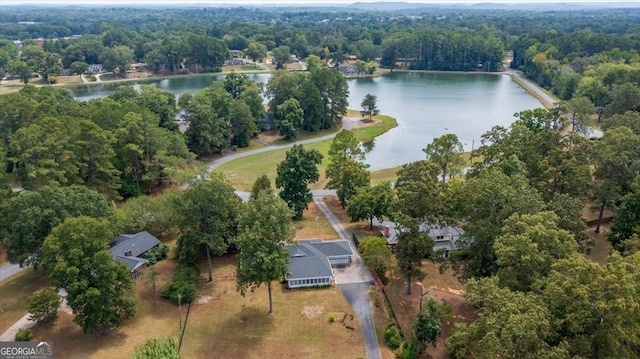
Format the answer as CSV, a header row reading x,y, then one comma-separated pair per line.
x,y
182,286
24,335
43,305
332,318
157,254
165,348
392,339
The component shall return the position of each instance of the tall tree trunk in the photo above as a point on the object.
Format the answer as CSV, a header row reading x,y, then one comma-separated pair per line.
x,y
604,201
408,291
270,301
371,223
209,263
444,175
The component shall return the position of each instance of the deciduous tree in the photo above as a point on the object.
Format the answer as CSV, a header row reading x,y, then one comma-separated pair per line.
x,y
32,215
346,171
413,245
295,173
43,305
418,191
289,116
99,290
261,185
369,106
207,218
264,225
446,152
371,202
376,254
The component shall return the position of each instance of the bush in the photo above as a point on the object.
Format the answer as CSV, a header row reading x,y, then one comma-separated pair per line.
x,y
392,339
24,335
157,254
165,348
182,286
43,305
332,318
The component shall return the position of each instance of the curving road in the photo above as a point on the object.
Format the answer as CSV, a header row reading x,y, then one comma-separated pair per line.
x,y
531,86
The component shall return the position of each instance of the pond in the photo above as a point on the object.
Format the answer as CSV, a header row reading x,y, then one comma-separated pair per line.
x,y
426,105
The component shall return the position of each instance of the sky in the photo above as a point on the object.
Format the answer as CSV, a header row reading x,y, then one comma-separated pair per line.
x,y
283,2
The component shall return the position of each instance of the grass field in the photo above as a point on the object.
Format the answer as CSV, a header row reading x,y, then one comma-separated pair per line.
x,y
227,325
151,320
14,293
244,171
314,225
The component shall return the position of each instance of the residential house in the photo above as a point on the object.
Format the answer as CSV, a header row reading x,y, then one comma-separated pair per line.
x,y
236,53
311,262
130,250
446,239
234,62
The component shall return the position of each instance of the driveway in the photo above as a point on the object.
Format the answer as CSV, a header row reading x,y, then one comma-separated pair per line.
x,y
358,296
353,281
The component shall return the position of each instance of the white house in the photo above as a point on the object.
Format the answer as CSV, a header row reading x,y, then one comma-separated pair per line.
x,y
446,239
311,261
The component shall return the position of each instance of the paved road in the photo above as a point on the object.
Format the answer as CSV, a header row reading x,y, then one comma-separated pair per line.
x,y
8,270
234,156
532,86
347,124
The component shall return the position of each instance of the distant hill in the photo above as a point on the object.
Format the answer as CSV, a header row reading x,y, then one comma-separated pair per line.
x,y
559,6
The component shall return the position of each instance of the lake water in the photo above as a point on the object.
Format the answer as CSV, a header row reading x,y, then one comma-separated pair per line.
x,y
426,105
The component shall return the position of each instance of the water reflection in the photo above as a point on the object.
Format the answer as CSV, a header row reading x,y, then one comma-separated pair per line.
x,y
426,106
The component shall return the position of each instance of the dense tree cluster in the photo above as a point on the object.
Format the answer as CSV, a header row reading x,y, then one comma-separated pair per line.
x,y
122,145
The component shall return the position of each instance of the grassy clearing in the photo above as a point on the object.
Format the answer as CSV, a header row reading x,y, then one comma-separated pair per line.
x,y
14,293
227,325
151,320
244,171
442,288
602,248
314,225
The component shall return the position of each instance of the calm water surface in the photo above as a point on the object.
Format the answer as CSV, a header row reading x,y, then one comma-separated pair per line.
x,y
426,105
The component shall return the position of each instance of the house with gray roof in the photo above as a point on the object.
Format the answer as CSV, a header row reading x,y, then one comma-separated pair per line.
x,y
130,250
311,261
446,239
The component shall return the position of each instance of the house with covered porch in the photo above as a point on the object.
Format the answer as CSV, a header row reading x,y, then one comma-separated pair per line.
x,y
311,262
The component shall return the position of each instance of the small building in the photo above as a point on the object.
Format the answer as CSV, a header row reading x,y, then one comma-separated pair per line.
x,y
351,57
236,53
446,239
311,261
234,62
96,68
130,250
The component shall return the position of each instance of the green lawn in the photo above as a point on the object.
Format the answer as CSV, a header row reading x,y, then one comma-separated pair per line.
x,y
244,171
14,293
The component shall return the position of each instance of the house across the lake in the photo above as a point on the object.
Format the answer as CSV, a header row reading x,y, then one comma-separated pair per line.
x,y
130,250
311,261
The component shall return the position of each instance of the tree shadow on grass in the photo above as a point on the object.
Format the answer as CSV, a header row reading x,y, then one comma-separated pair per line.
x,y
70,341
240,336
